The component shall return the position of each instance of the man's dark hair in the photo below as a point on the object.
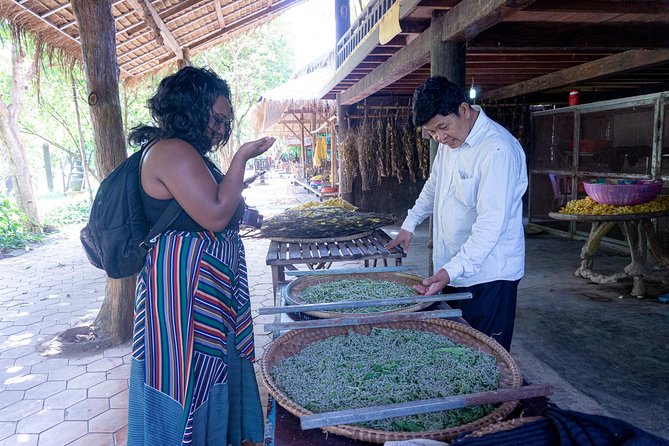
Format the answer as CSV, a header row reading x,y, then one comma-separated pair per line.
x,y
437,96
182,106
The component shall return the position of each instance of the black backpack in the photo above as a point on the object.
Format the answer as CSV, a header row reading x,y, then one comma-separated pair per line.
x,y
117,236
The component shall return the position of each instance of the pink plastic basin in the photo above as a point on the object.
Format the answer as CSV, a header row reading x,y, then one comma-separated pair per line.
x,y
623,194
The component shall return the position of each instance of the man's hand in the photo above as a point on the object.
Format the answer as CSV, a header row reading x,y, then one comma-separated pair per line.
x,y
403,238
433,284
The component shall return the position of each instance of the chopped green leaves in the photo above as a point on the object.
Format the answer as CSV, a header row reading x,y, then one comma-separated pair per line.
x,y
357,290
388,366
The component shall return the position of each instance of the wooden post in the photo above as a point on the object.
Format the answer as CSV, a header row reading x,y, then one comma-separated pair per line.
x,y
446,59
185,62
341,130
98,45
342,19
312,127
333,155
304,148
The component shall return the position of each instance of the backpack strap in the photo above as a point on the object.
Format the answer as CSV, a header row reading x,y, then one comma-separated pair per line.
x,y
164,221
166,218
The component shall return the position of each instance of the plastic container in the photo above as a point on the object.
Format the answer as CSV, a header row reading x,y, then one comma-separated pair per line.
x,y
623,194
574,97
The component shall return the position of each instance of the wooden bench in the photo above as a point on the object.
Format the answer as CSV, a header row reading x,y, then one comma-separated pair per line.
x,y
283,256
304,183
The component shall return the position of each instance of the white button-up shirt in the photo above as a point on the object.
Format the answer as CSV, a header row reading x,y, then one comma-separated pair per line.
x,y
474,193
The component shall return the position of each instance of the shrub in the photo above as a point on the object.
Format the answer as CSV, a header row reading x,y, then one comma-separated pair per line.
x,y
70,213
13,233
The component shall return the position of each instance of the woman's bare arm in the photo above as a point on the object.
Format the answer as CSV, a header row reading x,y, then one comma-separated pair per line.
x,y
174,169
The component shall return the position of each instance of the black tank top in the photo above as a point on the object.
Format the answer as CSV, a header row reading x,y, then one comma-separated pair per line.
x,y
153,207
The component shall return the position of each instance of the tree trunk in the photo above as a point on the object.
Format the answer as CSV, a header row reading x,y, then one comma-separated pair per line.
x,y
11,139
80,133
98,37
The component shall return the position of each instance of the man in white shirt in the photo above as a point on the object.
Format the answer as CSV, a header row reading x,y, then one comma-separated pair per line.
x,y
474,194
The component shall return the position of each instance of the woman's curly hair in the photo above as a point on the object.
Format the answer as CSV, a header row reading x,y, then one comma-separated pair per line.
x,y
181,108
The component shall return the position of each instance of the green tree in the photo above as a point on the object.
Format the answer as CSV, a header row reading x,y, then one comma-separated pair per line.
x,y
54,116
11,105
252,63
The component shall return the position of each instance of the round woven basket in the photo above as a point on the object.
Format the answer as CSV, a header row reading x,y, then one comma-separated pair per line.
x,y
293,291
502,426
294,341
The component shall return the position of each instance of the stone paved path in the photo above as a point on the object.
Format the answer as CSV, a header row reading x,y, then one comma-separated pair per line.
x,y
81,398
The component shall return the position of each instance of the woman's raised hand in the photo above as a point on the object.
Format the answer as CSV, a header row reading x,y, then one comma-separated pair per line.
x,y
252,149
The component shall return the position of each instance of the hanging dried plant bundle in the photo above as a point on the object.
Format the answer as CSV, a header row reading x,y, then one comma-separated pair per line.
x,y
322,223
381,153
388,159
349,157
409,146
366,149
396,150
423,149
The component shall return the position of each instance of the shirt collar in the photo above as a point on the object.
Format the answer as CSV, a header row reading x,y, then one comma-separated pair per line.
x,y
475,136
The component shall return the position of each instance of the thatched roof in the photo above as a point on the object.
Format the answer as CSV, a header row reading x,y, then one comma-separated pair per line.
x,y
150,35
280,110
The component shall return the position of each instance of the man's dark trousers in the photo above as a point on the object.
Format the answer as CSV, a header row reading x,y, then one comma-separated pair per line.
x,y
492,308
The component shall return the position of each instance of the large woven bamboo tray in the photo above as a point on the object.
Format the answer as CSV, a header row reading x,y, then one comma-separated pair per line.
x,y
293,291
294,341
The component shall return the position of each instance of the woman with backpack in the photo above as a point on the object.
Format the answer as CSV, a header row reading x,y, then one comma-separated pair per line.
x,y
192,379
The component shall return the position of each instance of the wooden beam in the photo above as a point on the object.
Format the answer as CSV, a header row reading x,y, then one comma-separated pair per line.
x,y
219,13
165,14
461,22
469,18
276,7
202,43
576,37
300,121
291,130
618,63
55,10
151,18
59,32
589,6
364,48
414,26
116,18
438,4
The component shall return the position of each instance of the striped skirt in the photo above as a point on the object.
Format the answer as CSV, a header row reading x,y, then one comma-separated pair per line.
x,y
191,378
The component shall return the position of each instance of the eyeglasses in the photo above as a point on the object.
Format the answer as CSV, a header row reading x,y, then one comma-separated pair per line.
x,y
221,119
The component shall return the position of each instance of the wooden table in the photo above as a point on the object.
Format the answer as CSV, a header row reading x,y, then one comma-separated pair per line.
x,y
641,239
319,193
285,255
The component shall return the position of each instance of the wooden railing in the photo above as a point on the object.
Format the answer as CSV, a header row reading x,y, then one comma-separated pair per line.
x,y
361,27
